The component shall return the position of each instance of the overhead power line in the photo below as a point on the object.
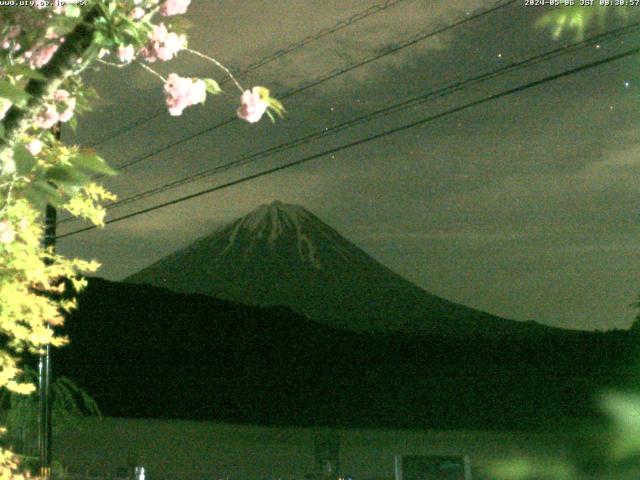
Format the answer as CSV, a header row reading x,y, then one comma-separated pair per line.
x,y
403,105
330,76
272,57
370,138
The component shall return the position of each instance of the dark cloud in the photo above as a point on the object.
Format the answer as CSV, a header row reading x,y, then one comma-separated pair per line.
x,y
524,206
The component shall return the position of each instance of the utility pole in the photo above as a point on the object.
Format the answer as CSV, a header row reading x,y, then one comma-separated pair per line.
x,y
44,365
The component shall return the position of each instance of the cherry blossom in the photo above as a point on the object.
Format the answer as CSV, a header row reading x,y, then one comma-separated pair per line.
x,y
8,41
47,117
66,115
137,13
34,147
163,45
183,92
40,55
252,105
66,103
61,95
174,7
125,53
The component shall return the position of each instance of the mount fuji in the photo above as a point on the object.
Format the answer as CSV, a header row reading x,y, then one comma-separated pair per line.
x,y
282,254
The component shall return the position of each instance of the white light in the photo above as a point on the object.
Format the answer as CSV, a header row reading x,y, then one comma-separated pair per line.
x,y
626,84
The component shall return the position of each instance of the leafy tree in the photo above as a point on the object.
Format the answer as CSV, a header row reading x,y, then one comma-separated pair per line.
x,y
69,403
44,50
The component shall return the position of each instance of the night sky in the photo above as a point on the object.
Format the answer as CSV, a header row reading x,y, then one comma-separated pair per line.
x,y
525,207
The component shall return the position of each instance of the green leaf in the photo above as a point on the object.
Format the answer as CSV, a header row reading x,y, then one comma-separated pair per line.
x,y
180,25
13,93
72,11
66,176
270,115
212,86
92,162
576,18
23,159
40,193
276,106
73,123
24,71
272,103
624,409
130,31
103,41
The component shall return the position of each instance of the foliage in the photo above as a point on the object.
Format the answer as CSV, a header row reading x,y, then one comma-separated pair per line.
x,y
44,49
577,18
614,455
69,402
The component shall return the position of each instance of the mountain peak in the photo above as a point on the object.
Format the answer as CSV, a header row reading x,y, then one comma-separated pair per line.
x,y
282,254
273,214
273,222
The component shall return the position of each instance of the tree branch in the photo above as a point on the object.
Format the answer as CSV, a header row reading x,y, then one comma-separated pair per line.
x,y
62,64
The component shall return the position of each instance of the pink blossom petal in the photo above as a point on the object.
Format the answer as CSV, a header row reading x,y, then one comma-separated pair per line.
x,y
47,118
252,106
61,96
40,55
174,7
66,115
137,13
125,53
162,45
183,92
34,147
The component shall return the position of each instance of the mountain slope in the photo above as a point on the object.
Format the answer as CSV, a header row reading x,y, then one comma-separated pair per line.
x,y
282,254
146,351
